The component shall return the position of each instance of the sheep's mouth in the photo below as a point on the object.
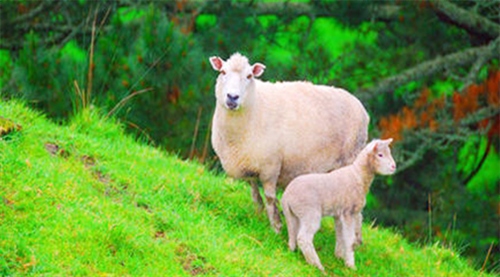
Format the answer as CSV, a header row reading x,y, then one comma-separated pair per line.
x,y
232,105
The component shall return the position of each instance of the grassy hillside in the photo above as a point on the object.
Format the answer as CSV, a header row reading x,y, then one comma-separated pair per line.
x,y
85,199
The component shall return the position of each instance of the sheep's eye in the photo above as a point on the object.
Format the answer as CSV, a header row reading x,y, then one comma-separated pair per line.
x,y
249,76
380,155
223,72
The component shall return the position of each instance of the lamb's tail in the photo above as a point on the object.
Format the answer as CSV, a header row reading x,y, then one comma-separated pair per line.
x,y
292,223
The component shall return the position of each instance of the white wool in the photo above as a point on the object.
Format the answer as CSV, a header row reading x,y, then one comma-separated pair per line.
x,y
282,130
341,194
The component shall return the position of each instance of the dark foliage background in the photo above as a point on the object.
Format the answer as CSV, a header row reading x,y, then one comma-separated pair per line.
x,y
427,71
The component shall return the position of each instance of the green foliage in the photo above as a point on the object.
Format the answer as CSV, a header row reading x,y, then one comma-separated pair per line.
x,y
5,67
141,47
103,203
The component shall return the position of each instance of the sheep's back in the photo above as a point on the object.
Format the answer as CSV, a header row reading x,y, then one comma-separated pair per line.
x,y
317,128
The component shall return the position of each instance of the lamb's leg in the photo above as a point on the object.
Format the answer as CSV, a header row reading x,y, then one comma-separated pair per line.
x,y
257,198
348,232
339,243
271,200
292,223
359,223
309,225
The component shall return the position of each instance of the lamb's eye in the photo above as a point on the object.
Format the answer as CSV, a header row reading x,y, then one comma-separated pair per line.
x,y
249,76
380,155
223,72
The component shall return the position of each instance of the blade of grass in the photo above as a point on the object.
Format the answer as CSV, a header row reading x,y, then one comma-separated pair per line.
x,y
125,99
195,134
486,259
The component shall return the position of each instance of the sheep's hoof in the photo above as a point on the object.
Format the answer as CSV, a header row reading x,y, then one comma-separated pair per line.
x,y
339,254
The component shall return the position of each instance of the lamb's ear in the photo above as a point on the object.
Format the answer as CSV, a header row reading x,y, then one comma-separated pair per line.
x,y
216,63
387,141
375,146
258,69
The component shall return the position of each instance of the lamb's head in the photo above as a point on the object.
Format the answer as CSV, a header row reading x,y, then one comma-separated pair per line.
x,y
236,80
380,158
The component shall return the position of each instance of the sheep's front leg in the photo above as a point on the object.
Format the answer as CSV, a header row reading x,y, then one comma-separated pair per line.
x,y
257,198
348,232
358,218
271,204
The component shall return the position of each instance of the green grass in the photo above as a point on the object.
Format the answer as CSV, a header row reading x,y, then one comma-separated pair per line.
x,y
106,204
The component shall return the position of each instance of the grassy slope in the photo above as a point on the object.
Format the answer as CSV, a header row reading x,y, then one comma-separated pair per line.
x,y
108,204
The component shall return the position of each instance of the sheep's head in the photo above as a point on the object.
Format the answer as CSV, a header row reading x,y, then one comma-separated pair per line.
x,y
236,80
381,158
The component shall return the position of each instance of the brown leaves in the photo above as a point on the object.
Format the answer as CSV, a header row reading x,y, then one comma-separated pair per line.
x,y
420,116
423,112
174,94
7,126
493,88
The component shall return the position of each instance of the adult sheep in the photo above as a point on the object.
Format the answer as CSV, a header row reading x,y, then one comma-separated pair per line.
x,y
278,131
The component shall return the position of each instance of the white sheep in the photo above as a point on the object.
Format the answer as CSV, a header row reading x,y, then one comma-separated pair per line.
x,y
341,194
278,131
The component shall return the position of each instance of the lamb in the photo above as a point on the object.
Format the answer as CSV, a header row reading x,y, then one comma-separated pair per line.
x,y
275,132
341,194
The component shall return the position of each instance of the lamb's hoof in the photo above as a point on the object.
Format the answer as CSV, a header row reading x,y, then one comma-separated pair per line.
x,y
358,243
277,228
320,267
292,247
351,266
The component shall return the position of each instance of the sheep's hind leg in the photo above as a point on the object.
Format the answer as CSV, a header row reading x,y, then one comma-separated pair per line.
x,y
309,225
348,232
292,223
271,207
257,198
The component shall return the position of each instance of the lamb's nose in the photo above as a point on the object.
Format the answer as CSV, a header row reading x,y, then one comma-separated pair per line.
x,y
393,167
232,97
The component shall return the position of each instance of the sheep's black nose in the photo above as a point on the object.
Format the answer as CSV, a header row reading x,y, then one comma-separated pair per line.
x,y
232,97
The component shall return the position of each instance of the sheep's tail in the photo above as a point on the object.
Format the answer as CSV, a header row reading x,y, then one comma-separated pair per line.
x,y
292,223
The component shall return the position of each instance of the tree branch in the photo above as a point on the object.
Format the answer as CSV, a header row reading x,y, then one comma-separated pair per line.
x,y
429,68
31,14
293,9
484,58
468,20
480,164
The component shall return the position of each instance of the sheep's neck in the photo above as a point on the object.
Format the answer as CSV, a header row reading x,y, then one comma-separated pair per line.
x,y
235,123
365,172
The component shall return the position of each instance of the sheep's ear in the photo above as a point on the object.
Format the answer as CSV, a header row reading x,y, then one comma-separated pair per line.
x,y
216,63
258,69
375,146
